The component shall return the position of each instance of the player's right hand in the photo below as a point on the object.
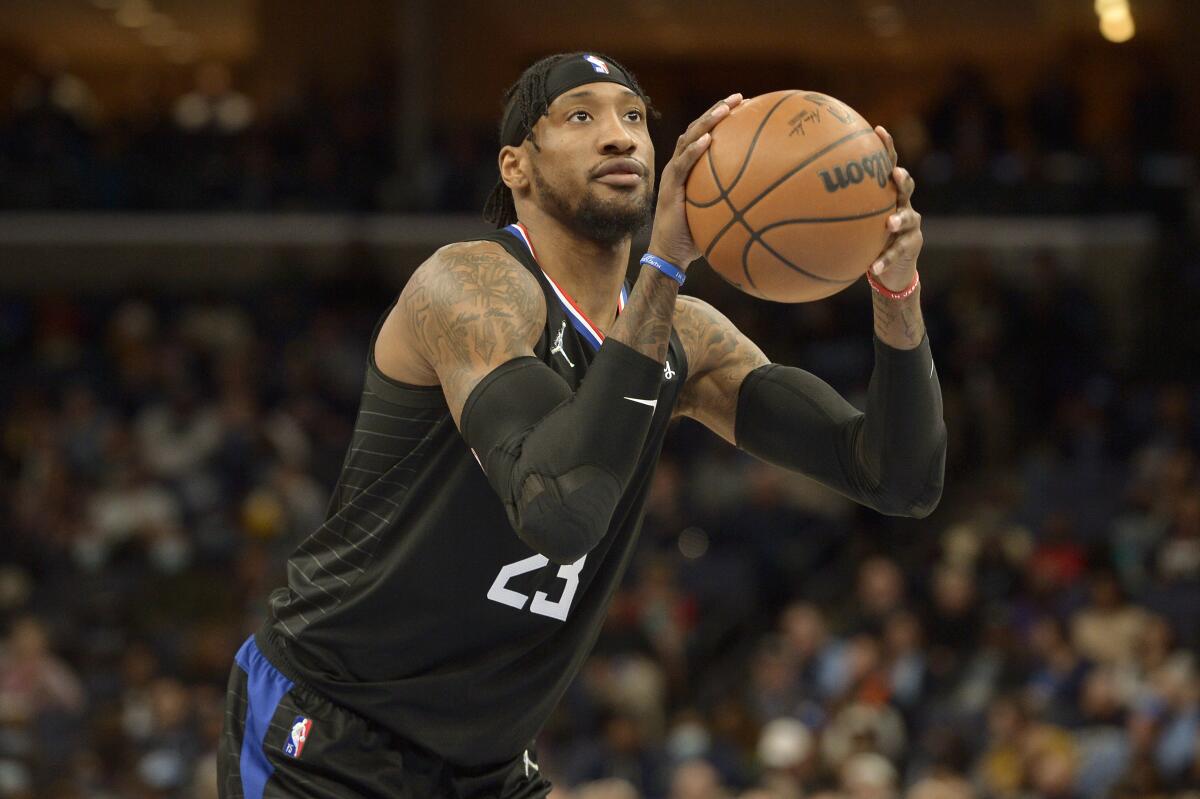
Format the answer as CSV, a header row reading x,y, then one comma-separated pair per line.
x,y
896,267
670,238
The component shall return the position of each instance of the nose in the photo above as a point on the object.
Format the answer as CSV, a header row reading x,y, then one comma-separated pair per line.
x,y
615,138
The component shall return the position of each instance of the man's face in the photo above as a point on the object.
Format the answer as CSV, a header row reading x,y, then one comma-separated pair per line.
x,y
592,166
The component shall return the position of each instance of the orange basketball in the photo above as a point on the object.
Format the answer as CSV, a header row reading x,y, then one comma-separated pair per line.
x,y
790,202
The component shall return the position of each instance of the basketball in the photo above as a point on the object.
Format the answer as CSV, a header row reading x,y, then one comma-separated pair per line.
x,y
791,200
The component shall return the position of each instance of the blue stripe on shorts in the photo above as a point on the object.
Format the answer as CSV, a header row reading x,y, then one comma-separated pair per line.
x,y
265,686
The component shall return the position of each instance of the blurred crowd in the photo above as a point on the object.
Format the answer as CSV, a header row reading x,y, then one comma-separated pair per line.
x,y
212,148
1035,637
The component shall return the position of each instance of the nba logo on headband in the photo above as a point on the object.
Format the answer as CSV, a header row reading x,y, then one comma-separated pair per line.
x,y
597,64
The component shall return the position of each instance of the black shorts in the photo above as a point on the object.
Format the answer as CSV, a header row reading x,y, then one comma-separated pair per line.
x,y
282,739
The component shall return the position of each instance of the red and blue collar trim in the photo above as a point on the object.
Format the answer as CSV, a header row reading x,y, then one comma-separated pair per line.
x,y
590,332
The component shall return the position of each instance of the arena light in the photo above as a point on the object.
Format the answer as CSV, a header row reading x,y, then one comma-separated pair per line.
x,y
1116,20
1117,29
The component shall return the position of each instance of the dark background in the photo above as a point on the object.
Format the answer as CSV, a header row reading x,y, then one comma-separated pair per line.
x,y
204,207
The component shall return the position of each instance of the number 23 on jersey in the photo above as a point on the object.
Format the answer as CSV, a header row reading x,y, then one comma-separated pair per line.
x,y
542,604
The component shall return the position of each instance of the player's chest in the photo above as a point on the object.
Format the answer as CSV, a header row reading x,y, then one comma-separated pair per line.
x,y
570,354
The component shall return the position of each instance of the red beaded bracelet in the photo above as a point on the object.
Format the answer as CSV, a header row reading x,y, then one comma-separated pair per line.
x,y
884,291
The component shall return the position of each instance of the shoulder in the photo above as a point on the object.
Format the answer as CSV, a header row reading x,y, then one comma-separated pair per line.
x,y
475,272
470,284
465,299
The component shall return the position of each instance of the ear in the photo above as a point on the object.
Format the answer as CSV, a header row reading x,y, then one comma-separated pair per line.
x,y
514,167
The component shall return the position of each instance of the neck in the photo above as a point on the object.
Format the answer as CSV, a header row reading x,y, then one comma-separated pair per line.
x,y
589,272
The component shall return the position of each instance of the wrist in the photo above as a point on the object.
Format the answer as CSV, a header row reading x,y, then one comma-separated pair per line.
x,y
898,293
671,255
663,267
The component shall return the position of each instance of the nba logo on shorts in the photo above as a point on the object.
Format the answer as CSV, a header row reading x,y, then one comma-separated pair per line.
x,y
296,738
597,64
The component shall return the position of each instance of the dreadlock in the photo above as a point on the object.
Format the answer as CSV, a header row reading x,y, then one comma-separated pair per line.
x,y
528,96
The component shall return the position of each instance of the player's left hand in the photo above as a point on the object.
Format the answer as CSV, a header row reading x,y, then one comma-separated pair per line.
x,y
897,264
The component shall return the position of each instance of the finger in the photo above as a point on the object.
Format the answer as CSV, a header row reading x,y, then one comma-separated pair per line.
x,y
707,121
904,220
904,185
732,101
681,165
888,142
903,252
703,124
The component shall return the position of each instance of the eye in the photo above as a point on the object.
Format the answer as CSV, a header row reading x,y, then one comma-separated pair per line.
x,y
636,115
575,115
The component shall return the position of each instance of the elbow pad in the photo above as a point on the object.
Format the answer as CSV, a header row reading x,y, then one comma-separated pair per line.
x,y
560,461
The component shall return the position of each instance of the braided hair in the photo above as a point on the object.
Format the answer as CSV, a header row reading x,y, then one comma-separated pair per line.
x,y
528,98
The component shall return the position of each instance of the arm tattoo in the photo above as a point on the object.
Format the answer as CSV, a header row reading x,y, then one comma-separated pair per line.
x,y
899,323
471,309
719,358
645,324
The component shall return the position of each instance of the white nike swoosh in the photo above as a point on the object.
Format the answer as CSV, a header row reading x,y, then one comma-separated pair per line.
x,y
651,403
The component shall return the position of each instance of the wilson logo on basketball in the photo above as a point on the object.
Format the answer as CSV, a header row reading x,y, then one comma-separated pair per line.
x,y
876,166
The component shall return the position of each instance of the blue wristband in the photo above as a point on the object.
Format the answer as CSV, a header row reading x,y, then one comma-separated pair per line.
x,y
666,267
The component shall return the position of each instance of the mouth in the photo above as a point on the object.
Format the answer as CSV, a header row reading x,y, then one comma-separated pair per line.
x,y
624,172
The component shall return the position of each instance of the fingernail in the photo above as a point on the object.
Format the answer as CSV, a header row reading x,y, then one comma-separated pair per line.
x,y
877,267
732,97
894,222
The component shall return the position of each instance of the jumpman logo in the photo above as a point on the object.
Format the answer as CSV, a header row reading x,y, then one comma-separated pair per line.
x,y
558,345
529,763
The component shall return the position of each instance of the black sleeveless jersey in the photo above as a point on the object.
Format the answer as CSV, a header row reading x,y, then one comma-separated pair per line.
x,y
415,604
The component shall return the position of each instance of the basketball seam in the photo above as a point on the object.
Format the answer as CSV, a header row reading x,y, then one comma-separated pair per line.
x,y
724,195
739,216
756,236
732,210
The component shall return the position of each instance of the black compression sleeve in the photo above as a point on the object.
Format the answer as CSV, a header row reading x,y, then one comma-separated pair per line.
x,y
561,461
891,458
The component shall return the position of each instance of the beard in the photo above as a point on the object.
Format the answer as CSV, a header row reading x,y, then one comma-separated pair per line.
x,y
606,222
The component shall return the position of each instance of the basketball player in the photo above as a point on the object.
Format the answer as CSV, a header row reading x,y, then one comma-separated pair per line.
x,y
515,402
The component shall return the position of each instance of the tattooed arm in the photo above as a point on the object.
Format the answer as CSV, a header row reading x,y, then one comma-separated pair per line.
x,y
890,458
469,320
719,358
645,324
465,311
899,323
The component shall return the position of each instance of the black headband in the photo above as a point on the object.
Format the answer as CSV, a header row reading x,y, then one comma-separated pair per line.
x,y
565,75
